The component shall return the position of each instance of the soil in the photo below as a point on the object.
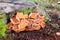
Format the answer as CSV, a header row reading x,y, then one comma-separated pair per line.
x,y
47,33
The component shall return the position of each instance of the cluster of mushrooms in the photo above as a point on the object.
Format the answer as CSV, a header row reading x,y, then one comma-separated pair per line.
x,y
24,22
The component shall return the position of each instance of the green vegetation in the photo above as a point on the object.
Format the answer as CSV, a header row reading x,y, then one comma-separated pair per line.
x,y
55,25
28,10
51,1
46,19
58,6
2,28
25,10
2,25
1,15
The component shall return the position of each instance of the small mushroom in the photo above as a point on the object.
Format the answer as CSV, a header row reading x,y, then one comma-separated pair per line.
x,y
14,20
58,33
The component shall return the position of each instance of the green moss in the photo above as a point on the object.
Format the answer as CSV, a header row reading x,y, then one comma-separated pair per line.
x,y
2,25
2,28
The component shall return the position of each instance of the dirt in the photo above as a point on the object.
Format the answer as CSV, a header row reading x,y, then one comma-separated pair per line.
x,y
47,33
